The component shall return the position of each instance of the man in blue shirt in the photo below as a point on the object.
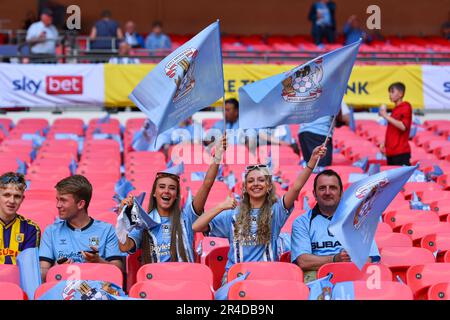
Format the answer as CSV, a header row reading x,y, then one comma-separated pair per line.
x,y
77,238
109,30
323,21
157,39
312,245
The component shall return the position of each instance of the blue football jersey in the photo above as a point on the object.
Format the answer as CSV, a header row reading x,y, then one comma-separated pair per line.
x,y
160,235
310,236
61,240
223,226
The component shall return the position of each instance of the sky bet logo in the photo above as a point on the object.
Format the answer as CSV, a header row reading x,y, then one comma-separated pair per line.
x,y
54,85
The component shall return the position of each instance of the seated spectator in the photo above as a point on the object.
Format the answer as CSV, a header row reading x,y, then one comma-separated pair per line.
x,y
157,39
312,245
105,28
77,238
133,38
124,52
42,36
323,21
17,233
353,32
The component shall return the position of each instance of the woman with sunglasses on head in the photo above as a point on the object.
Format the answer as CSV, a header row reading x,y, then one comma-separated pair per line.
x,y
171,237
252,228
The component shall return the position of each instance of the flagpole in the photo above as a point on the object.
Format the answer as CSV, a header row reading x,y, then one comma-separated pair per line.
x,y
326,139
223,84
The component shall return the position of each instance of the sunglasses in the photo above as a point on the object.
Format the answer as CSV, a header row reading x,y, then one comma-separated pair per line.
x,y
12,179
162,174
256,166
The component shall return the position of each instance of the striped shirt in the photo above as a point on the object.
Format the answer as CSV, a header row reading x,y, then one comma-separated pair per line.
x,y
16,236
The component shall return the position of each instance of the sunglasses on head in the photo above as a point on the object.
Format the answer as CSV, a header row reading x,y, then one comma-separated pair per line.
x,y
256,166
12,179
163,174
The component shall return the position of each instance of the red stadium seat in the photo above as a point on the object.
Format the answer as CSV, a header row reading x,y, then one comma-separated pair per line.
x,y
398,259
268,290
420,277
439,291
386,290
175,271
86,271
132,265
210,243
216,260
384,228
436,241
11,291
266,271
10,273
418,230
171,290
348,271
43,288
392,239
396,219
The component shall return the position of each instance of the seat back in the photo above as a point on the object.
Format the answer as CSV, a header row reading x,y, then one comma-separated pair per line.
x,y
216,260
348,271
11,291
420,277
268,290
171,290
384,290
439,291
266,271
10,273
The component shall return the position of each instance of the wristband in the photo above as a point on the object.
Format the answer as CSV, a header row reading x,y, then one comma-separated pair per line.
x,y
312,169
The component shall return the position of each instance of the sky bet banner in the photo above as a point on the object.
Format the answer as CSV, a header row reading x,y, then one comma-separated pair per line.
x,y
51,85
356,219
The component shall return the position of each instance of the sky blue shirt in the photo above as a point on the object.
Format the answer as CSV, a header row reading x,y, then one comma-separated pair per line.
x,y
320,126
222,226
160,41
282,133
325,19
62,240
161,233
235,135
312,237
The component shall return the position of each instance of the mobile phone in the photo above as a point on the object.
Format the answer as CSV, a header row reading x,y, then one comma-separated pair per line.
x,y
61,260
91,251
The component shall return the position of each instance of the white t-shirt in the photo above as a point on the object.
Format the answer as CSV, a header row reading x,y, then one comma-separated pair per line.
x,y
51,35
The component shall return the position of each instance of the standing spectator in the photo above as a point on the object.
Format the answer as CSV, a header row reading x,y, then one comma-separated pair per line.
x,y
105,27
157,39
352,31
42,37
133,38
322,17
124,52
396,147
77,238
16,232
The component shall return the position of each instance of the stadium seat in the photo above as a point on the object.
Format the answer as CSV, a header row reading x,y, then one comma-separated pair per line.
x,y
210,243
171,290
420,277
11,291
216,260
392,239
43,288
268,290
86,271
10,273
266,271
175,271
396,219
383,228
398,259
439,291
418,230
436,241
384,290
348,271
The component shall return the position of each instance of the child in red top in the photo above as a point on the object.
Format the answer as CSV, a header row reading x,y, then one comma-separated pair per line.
x,y
396,147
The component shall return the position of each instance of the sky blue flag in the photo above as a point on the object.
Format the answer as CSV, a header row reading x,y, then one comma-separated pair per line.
x,y
73,167
304,94
122,188
356,219
22,167
416,204
222,292
178,169
352,123
361,163
30,271
84,290
343,291
374,168
230,180
321,289
187,80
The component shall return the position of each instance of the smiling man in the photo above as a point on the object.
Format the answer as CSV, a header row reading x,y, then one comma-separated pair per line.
x,y
312,245
16,232
77,238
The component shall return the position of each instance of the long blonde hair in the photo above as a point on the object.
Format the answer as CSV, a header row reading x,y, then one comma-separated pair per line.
x,y
264,222
176,237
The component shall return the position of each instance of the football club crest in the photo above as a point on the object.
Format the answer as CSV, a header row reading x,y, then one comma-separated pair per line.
x,y
366,206
181,69
304,85
20,237
94,241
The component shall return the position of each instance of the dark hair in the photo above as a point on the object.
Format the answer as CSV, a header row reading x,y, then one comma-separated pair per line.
x,y
47,11
234,102
14,178
330,173
399,86
157,24
106,14
78,186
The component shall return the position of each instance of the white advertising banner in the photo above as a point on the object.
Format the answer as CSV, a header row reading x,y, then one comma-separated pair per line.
x,y
50,85
436,87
